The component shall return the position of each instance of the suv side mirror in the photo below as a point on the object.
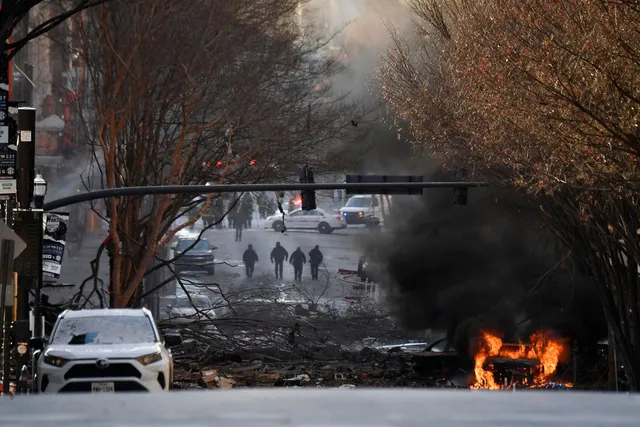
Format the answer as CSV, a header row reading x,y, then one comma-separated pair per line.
x,y
213,247
37,343
172,339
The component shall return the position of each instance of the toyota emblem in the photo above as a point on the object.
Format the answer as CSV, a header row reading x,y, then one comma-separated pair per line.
x,y
102,363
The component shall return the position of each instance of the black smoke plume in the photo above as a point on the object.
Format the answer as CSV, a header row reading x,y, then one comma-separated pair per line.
x,y
489,265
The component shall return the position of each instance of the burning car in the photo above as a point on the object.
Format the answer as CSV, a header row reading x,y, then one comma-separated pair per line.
x,y
499,366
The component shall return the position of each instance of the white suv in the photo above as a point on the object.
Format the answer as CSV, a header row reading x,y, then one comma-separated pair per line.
x,y
105,351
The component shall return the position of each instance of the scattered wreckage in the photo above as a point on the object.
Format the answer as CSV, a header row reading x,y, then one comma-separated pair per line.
x,y
409,364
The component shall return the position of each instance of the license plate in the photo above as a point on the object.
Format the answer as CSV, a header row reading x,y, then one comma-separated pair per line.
x,y
102,388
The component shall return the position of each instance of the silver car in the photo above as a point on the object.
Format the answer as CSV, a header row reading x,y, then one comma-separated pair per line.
x,y
183,311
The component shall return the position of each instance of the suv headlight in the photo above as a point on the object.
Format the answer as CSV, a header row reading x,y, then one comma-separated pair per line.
x,y
148,359
55,361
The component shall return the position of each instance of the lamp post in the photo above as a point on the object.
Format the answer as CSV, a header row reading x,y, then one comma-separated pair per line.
x,y
39,191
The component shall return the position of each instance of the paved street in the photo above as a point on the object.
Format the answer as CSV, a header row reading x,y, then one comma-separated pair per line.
x,y
340,250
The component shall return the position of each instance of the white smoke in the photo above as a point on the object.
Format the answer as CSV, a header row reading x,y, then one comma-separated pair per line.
x,y
361,31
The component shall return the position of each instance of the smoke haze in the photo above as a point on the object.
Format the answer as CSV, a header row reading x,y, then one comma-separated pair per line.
x,y
491,264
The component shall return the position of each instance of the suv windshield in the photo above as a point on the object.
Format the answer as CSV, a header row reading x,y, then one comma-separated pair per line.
x,y
200,302
104,330
358,202
185,244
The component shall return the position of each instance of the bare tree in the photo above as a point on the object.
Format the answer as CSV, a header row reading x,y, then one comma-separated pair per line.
x,y
191,93
14,11
541,96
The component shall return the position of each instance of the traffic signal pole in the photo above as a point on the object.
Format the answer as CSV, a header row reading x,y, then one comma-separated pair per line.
x,y
367,188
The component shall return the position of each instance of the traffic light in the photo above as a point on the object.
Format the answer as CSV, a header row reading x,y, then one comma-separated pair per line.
x,y
460,196
308,196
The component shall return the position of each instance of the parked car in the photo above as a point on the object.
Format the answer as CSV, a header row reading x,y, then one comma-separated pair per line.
x,y
183,311
316,219
194,255
105,351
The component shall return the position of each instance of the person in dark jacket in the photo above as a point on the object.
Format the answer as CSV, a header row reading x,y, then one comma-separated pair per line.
x,y
239,222
279,255
250,257
297,259
315,259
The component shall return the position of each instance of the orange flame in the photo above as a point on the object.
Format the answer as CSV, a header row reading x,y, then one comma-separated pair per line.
x,y
546,350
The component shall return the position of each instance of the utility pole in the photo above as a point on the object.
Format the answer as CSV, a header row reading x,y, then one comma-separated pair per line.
x,y
27,224
6,303
8,154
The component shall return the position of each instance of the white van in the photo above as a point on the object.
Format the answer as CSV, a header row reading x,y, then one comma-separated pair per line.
x,y
361,209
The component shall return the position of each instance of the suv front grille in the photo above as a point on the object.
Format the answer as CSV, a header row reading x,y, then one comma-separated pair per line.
x,y
90,370
193,259
354,217
117,385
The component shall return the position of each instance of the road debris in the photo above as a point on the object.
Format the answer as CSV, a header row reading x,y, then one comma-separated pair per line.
x,y
346,369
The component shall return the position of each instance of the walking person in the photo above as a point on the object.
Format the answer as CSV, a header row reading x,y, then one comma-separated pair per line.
x,y
247,208
278,255
239,221
315,259
297,259
250,257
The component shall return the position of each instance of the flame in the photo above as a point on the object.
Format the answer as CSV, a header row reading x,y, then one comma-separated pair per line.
x,y
546,350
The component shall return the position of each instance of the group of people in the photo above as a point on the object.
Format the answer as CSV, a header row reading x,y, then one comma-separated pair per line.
x,y
279,255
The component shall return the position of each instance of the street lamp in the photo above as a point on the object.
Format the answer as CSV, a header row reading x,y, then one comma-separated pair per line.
x,y
39,191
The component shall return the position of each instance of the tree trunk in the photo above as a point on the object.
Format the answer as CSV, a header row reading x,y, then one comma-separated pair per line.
x,y
599,251
112,300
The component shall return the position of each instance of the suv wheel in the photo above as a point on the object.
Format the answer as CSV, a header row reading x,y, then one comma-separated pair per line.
x,y
277,226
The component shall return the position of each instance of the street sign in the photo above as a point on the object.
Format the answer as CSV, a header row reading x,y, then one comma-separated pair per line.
x,y
379,179
7,233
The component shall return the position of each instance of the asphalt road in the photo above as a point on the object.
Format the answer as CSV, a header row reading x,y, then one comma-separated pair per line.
x,y
341,250
318,408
